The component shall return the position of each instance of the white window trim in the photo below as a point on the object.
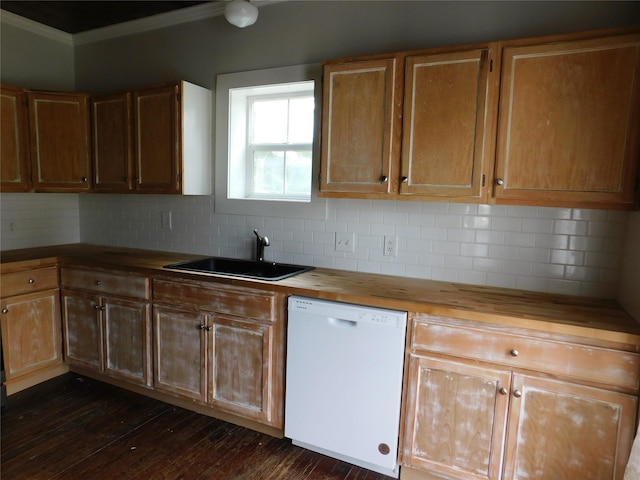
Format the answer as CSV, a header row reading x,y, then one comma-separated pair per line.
x,y
317,208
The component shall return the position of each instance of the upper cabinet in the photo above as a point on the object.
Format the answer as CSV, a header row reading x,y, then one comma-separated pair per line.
x,y
155,140
360,127
112,144
14,140
568,128
410,125
60,141
447,112
551,121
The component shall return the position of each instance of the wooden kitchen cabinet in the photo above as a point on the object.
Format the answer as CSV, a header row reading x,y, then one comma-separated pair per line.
x,y
483,403
437,104
112,130
569,122
448,118
362,103
551,121
456,417
222,345
107,323
59,129
15,170
31,327
564,431
153,140
180,347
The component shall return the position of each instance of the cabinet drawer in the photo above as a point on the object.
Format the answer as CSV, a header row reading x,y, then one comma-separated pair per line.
x,y
595,364
237,301
29,281
103,282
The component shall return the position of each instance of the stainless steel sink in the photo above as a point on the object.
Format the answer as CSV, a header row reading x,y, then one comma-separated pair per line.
x,y
241,268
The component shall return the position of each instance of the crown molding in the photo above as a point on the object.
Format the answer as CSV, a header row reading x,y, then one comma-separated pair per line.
x,y
17,21
161,20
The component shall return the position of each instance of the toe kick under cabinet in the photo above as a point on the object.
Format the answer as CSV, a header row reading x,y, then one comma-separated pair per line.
x,y
484,403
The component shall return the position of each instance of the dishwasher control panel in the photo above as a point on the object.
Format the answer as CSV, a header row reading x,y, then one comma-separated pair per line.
x,y
347,311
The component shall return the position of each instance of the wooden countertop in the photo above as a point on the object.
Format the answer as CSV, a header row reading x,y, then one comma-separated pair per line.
x,y
597,319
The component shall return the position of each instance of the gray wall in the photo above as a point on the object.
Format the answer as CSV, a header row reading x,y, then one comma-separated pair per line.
x,y
35,61
298,32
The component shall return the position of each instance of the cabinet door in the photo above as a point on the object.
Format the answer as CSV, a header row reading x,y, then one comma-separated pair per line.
x,y
127,340
82,331
179,350
60,138
565,431
455,416
360,127
568,129
448,112
240,366
14,141
31,333
112,142
157,140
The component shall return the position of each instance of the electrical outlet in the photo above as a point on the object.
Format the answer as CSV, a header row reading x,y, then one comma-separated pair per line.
x,y
165,220
345,242
390,245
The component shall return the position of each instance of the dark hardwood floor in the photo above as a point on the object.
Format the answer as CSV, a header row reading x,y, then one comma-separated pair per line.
x,y
76,428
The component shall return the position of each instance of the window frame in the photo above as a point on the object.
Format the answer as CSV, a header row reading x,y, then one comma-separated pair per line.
x,y
316,208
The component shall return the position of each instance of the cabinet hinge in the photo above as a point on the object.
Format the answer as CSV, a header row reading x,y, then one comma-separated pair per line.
x,y
491,65
178,97
484,178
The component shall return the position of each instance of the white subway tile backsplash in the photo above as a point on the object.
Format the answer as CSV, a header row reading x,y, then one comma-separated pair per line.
x,y
558,250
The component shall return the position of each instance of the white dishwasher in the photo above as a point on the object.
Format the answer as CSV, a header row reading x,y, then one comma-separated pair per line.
x,y
344,381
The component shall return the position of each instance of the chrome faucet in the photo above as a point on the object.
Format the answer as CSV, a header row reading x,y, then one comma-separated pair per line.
x,y
261,242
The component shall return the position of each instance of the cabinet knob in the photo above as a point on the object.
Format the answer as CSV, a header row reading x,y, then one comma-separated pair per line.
x,y
98,282
99,307
5,310
517,393
31,281
499,181
514,353
85,179
503,391
404,179
383,178
202,327
125,179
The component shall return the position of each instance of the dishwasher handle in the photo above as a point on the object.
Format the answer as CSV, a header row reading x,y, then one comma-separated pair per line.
x,y
341,323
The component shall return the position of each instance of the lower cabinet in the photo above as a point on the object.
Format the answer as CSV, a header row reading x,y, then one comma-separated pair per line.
x,y
107,323
31,328
221,345
474,409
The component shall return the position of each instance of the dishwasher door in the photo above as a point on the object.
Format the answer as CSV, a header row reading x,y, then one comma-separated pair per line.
x,y
344,381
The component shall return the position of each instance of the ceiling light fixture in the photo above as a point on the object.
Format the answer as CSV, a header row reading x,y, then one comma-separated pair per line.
x,y
241,13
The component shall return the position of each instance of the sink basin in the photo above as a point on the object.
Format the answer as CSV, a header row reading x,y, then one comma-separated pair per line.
x,y
241,268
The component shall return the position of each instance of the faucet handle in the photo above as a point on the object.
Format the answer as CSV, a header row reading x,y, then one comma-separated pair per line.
x,y
262,240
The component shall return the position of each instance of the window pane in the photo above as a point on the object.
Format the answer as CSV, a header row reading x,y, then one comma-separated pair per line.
x,y
301,120
298,173
270,121
268,173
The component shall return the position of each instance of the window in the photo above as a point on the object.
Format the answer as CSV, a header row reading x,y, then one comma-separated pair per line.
x,y
267,124
271,139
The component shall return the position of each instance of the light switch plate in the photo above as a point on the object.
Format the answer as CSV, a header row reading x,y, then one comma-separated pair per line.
x,y
345,242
